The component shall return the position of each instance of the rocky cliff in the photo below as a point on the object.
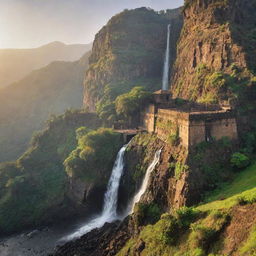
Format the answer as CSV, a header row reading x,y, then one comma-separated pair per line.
x,y
215,51
129,51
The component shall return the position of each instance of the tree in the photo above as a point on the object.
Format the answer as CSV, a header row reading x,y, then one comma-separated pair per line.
x,y
129,103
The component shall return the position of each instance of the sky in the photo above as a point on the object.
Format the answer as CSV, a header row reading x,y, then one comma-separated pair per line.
x,y
32,23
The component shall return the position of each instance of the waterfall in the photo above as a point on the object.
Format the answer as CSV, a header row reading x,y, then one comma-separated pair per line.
x,y
165,83
144,184
109,213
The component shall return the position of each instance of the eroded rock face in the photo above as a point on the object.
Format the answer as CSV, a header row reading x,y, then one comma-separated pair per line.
x,y
164,188
213,40
128,51
181,176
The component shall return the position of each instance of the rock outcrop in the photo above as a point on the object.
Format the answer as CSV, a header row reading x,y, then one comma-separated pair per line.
x,y
129,51
215,51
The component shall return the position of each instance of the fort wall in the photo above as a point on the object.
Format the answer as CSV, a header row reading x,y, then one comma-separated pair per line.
x,y
190,128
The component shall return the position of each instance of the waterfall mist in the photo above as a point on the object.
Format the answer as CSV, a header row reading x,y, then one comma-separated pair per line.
x,y
165,83
109,213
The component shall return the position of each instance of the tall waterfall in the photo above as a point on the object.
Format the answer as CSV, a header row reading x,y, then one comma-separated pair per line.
x,y
165,83
109,213
144,184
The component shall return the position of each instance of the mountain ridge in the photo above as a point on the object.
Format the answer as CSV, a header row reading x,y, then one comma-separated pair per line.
x,y
12,61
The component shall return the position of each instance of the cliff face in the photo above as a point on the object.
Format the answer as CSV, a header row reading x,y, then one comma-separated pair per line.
x,y
129,51
215,50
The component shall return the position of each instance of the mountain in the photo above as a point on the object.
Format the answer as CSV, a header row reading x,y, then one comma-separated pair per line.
x,y
26,105
15,64
129,51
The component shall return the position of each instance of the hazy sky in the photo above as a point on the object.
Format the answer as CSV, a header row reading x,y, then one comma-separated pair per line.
x,y
31,23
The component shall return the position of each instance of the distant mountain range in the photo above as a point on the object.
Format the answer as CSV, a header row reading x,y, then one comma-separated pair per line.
x,y
26,105
17,63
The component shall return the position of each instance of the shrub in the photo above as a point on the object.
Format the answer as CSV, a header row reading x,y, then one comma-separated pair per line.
x,y
201,235
129,103
96,151
147,213
179,169
186,215
239,160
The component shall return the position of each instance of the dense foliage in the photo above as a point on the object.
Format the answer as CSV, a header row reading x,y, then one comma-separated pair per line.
x,y
94,155
107,107
32,189
130,103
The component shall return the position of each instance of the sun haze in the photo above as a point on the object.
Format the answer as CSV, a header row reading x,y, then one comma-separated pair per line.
x,y
30,23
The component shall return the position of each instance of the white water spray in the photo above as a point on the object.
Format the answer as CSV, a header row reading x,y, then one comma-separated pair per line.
x,y
144,184
165,83
109,213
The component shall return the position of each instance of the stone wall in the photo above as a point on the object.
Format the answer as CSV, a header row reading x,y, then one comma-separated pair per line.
x,y
178,122
206,126
190,128
148,118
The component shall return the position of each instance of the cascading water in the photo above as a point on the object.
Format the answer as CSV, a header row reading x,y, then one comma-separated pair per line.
x,y
165,83
109,213
144,184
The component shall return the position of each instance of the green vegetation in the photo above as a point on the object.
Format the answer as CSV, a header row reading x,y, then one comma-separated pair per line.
x,y
94,155
249,247
130,103
243,181
197,231
147,213
179,168
32,189
122,99
163,236
213,171
239,160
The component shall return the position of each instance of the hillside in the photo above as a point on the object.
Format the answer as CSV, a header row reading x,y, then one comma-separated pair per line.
x,y
225,227
12,61
129,52
26,105
34,189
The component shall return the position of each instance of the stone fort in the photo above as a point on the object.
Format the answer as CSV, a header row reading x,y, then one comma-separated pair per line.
x,y
187,123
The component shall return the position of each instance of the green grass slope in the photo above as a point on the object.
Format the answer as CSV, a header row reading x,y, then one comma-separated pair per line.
x,y
216,228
